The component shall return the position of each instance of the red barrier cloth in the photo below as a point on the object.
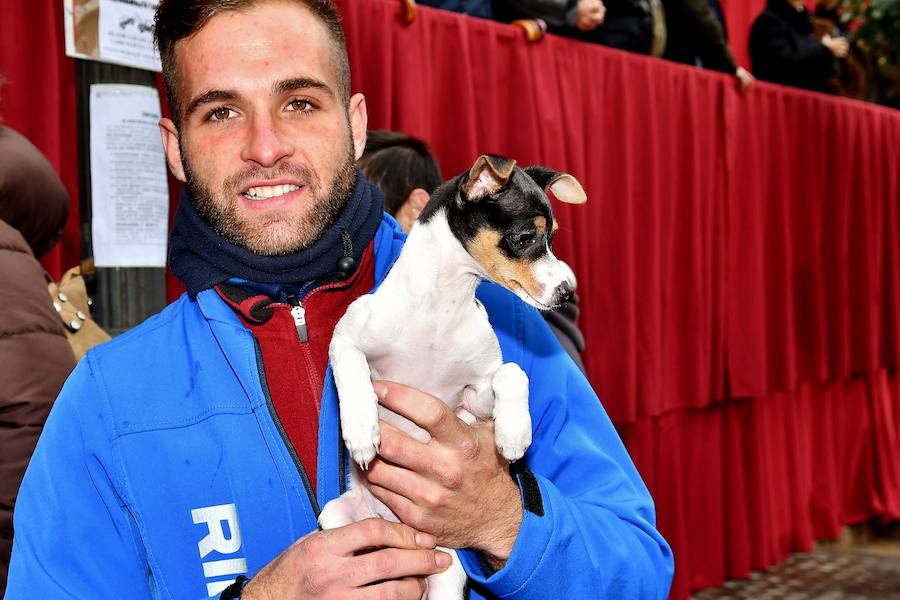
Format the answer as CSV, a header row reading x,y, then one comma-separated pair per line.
x,y
738,257
38,101
741,484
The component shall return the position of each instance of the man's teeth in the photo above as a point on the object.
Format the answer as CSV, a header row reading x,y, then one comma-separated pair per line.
x,y
270,191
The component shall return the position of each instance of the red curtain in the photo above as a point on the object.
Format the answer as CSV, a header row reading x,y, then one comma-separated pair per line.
x,y
38,101
738,258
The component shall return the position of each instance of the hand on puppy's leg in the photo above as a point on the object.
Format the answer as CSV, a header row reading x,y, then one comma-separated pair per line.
x,y
512,420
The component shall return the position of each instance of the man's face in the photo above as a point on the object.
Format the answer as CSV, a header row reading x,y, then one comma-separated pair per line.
x,y
266,145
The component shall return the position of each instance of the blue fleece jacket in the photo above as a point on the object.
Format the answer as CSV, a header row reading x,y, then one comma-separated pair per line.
x,y
162,471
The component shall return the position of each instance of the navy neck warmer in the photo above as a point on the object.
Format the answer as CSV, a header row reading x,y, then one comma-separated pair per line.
x,y
200,258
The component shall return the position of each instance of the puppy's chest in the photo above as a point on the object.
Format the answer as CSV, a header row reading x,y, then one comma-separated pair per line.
x,y
438,355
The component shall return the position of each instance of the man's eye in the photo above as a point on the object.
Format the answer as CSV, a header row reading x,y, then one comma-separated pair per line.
x,y
300,105
220,114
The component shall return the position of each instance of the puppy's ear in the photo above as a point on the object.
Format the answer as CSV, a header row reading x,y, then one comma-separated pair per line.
x,y
565,187
487,176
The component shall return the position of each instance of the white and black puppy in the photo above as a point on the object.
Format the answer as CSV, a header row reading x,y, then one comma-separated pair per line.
x,y
424,328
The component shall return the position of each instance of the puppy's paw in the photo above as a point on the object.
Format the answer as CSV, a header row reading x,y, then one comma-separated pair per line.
x,y
513,438
361,432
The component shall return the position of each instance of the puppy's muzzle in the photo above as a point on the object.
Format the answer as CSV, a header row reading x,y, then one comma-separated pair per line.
x,y
564,292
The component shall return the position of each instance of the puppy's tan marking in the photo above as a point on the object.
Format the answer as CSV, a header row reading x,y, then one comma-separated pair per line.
x,y
510,273
541,224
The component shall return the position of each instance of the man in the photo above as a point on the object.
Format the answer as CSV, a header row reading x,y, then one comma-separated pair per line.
x,y
197,448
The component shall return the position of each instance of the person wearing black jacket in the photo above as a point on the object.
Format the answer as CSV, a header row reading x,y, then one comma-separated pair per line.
x,y
784,50
695,35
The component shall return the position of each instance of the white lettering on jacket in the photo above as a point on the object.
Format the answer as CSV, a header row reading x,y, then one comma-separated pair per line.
x,y
214,517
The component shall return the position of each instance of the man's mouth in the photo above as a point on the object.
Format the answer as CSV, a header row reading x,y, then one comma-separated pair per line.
x,y
265,192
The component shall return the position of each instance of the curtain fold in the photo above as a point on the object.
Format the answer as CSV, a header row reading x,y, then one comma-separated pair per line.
x,y
742,484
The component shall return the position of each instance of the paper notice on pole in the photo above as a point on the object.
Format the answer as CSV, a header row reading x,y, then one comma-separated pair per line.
x,y
125,34
129,190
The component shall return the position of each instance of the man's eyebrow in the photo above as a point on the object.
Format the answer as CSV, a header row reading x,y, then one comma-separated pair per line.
x,y
208,97
298,83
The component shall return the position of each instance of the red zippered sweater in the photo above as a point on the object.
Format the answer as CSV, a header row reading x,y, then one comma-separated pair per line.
x,y
293,336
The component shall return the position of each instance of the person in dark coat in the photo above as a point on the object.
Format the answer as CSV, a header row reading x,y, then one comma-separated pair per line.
x,y
568,15
695,35
784,50
475,8
34,352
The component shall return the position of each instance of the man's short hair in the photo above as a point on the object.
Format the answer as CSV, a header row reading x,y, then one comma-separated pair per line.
x,y
180,19
398,164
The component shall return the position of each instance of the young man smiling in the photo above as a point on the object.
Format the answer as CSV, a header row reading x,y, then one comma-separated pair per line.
x,y
197,449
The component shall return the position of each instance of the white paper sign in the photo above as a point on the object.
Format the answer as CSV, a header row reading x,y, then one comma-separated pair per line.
x,y
125,33
129,190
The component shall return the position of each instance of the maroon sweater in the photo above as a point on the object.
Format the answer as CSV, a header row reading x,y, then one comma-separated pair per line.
x,y
293,338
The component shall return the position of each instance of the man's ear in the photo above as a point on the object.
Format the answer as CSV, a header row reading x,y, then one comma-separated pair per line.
x,y
565,187
172,146
359,121
487,176
417,199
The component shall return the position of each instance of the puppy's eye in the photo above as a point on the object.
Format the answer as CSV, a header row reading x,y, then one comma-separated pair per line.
x,y
521,240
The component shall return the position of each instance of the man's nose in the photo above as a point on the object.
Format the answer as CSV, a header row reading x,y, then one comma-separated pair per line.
x,y
266,144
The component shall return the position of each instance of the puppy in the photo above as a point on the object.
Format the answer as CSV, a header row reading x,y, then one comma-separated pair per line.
x,y
492,222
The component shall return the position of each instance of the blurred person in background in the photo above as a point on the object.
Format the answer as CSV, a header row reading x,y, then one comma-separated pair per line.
x,y
852,78
34,352
564,17
622,24
474,8
407,172
784,49
404,169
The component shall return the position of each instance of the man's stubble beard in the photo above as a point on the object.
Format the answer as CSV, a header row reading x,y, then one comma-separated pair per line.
x,y
278,234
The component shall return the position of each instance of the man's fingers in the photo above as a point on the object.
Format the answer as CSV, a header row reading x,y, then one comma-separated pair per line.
x,y
376,533
423,409
401,506
408,588
391,563
402,449
401,481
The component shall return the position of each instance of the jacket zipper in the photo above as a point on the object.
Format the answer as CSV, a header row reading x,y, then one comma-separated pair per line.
x,y
311,496
298,313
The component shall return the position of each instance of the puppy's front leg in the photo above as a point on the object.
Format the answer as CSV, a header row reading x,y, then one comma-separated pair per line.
x,y
512,420
358,402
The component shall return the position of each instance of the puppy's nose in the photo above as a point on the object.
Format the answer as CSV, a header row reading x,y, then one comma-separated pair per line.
x,y
564,292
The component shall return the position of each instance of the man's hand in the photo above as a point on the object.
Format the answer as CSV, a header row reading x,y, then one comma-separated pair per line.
x,y
839,46
590,14
330,564
456,487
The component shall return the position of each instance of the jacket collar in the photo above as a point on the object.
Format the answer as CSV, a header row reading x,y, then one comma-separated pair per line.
x,y
389,238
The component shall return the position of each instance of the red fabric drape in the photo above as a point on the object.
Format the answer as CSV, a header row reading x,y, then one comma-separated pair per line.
x,y
739,485
738,258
